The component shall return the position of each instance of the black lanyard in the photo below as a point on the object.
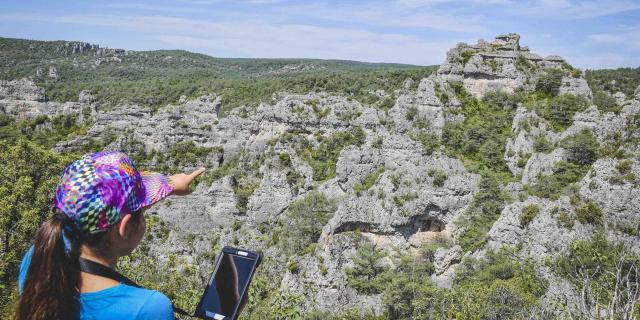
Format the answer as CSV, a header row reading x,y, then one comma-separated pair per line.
x,y
97,269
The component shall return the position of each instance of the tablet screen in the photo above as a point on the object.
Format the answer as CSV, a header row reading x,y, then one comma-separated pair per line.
x,y
225,290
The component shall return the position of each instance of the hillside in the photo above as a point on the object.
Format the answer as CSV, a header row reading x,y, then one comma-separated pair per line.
x,y
155,78
503,185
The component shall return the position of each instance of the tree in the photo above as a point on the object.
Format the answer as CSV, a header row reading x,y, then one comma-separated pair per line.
x,y
28,177
582,147
549,83
364,275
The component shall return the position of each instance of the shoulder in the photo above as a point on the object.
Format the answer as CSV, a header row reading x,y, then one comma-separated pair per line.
x,y
155,306
126,302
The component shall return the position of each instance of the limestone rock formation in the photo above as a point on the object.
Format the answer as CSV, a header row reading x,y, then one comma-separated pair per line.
x,y
390,189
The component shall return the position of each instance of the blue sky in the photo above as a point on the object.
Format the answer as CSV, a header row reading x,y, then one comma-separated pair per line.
x,y
589,34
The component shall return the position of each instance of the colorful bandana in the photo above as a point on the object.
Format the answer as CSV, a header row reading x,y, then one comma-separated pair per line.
x,y
101,188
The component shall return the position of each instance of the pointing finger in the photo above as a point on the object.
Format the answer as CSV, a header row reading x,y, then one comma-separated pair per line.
x,y
196,173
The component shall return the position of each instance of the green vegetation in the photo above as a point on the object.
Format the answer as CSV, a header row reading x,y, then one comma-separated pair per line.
x,y
549,82
605,272
589,212
625,80
411,113
605,102
524,65
365,275
323,158
305,219
552,186
439,177
495,287
44,130
529,212
541,144
564,218
466,55
29,174
157,78
559,110
480,139
583,149
186,153
368,181
482,213
430,142
625,174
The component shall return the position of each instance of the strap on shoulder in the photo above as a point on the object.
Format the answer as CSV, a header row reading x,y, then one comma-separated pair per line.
x,y
97,269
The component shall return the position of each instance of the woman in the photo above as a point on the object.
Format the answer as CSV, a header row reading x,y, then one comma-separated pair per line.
x,y
99,206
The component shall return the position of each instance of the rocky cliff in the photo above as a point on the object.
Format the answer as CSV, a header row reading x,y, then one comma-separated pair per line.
x,y
388,171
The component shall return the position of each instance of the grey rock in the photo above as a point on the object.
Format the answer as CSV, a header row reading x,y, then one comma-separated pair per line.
x,y
540,163
23,89
443,258
576,86
620,97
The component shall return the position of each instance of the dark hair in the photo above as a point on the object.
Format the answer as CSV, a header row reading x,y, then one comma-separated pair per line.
x,y
51,286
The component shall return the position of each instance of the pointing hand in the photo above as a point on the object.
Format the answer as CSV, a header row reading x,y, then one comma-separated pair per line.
x,y
181,181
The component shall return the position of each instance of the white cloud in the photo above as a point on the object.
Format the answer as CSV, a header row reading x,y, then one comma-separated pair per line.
x,y
627,38
390,15
572,10
428,3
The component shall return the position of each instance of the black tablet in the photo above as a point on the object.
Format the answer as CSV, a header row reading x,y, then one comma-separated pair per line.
x,y
228,285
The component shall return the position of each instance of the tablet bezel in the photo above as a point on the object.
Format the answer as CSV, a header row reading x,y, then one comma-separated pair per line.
x,y
234,252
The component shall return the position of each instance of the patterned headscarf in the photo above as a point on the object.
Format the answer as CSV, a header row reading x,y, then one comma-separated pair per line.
x,y
96,191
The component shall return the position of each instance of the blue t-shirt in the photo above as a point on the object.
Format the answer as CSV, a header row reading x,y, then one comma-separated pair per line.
x,y
117,302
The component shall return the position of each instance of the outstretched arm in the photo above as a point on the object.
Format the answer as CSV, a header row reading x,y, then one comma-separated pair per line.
x,y
180,182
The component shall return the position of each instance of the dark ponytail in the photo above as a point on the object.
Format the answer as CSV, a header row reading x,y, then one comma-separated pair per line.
x,y
51,287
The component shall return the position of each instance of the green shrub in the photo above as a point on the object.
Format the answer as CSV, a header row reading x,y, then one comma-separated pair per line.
x,y
368,181
583,148
559,111
306,218
549,82
295,180
28,178
522,162
541,144
529,212
411,113
323,158
187,153
563,217
466,55
377,143
480,139
242,192
552,186
483,211
364,276
523,64
439,177
601,261
387,103
605,102
293,266
497,286
429,141
285,159
589,212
